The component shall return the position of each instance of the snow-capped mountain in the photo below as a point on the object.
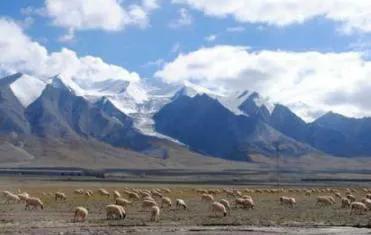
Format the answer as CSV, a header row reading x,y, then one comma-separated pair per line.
x,y
134,114
26,88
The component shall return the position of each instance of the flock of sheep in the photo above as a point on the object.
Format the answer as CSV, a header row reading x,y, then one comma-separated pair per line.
x,y
154,200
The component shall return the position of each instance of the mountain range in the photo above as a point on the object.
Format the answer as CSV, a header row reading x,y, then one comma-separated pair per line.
x,y
145,119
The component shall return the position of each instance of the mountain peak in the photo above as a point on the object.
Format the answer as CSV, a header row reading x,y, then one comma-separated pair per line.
x,y
10,79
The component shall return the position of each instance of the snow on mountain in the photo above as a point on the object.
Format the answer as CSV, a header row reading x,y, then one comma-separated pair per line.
x,y
27,89
234,100
59,81
137,99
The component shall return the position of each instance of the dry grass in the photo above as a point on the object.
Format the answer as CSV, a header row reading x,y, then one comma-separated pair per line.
x,y
57,215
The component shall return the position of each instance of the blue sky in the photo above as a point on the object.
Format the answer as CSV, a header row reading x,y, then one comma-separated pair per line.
x,y
299,53
135,48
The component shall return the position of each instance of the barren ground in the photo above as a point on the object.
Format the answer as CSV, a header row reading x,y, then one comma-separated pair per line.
x,y
267,218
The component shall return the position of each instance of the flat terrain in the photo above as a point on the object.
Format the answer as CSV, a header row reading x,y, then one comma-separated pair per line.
x,y
268,217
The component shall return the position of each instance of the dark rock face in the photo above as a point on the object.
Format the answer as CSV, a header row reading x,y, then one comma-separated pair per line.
x,y
59,113
12,118
207,126
332,133
199,121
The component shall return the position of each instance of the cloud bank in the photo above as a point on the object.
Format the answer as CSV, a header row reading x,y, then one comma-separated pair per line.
x,y
19,53
308,82
351,15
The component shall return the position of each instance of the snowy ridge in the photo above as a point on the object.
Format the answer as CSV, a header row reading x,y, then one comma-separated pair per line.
x,y
27,89
139,100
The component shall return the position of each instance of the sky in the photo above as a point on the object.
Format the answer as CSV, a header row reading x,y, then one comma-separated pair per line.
x,y
313,56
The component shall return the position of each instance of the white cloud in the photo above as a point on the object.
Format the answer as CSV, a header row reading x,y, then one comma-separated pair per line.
x,y
308,82
236,29
108,15
183,19
211,38
20,54
352,15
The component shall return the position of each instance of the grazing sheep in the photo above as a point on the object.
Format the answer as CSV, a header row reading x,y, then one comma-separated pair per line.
x,y
148,204
351,197
122,202
207,197
88,194
6,193
245,203
144,194
367,202
308,193
156,194
338,195
115,212
166,190
133,195
78,191
345,202
10,197
325,201
226,204
23,196
246,197
217,207
357,206
104,192
180,203
155,213
80,214
60,196
116,194
34,202
148,198
165,201
289,201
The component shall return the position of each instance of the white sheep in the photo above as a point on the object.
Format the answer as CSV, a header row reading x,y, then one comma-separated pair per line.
x,y
60,196
104,192
226,204
289,201
345,202
207,197
357,206
245,203
115,212
133,195
23,196
165,201
78,191
156,193
116,194
88,193
155,213
11,197
148,198
34,203
351,197
122,202
325,201
367,202
217,207
180,203
148,204
80,214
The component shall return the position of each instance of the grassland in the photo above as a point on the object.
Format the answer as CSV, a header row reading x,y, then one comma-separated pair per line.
x,y
268,213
